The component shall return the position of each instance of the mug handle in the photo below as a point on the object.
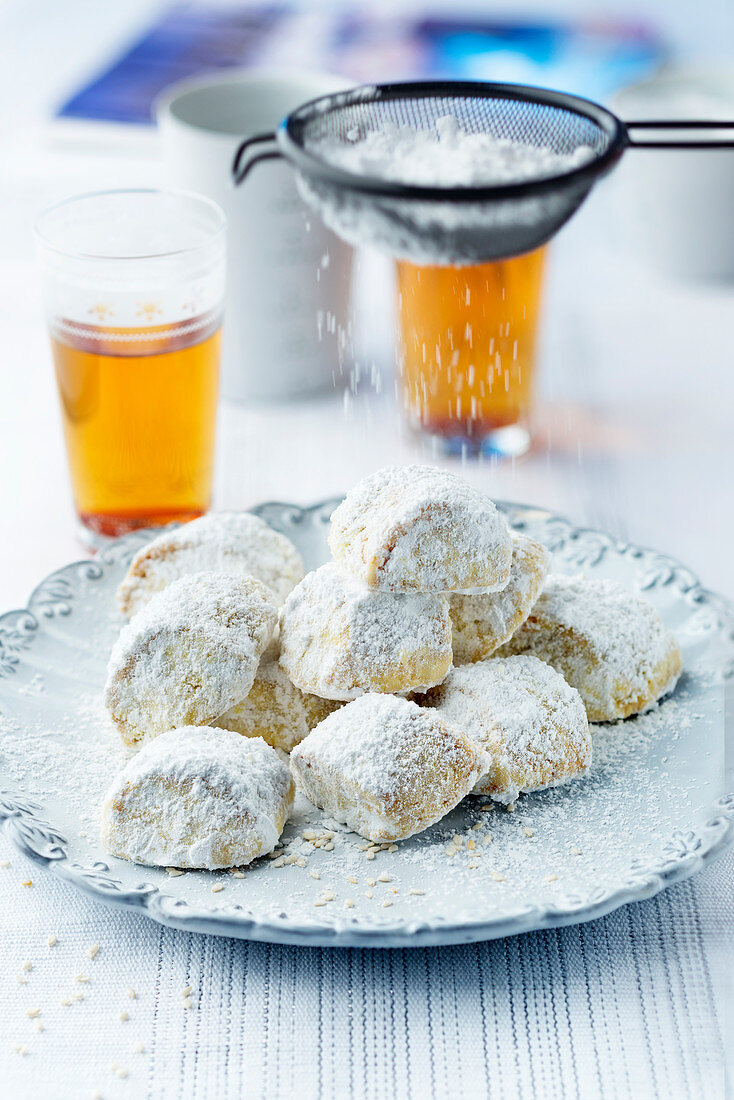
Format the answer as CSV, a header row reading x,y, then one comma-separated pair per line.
x,y
243,161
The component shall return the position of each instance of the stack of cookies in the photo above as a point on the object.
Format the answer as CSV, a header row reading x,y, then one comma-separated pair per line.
x,y
432,657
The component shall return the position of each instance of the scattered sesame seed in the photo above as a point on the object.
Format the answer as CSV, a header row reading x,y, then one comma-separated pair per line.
x,y
5,864
576,851
186,991
384,878
329,847
451,851
370,881
414,890
328,895
217,887
363,847
19,1048
33,1012
82,978
279,862
477,825
369,894
122,1073
308,834
510,808
131,993
187,1002
351,878
471,845
392,847
77,996
386,903
487,839
528,832
291,859
551,878
26,882
314,874
65,1002
21,980
472,866
369,855
497,876
27,965
236,873
349,903
457,840
124,1016
52,940
319,901
174,872
301,862
39,1026
92,951
487,807
139,1047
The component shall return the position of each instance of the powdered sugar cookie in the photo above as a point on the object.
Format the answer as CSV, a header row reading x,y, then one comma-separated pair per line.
x,y
530,721
608,643
222,542
386,767
189,655
275,709
482,623
340,640
198,797
420,529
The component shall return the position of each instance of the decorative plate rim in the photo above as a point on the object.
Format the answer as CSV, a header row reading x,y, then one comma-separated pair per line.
x,y
685,852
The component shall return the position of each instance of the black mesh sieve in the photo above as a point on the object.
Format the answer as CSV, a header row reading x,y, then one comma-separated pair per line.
x,y
457,224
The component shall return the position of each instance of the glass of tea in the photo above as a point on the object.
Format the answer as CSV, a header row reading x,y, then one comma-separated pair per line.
x,y
133,292
467,359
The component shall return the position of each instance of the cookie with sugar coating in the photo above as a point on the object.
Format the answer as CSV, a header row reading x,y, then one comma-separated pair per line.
x,y
189,655
275,709
608,643
238,543
482,623
198,798
386,767
339,639
421,529
532,723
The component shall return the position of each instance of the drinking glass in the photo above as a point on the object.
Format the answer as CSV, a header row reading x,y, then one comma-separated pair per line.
x,y
468,342
133,292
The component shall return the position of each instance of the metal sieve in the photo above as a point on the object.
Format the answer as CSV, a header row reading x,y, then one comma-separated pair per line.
x,y
456,224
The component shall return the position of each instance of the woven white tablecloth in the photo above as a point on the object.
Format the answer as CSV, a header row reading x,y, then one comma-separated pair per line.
x,y
634,1004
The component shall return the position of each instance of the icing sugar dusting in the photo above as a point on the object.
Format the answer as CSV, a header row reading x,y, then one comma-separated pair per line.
x,y
198,797
339,639
446,156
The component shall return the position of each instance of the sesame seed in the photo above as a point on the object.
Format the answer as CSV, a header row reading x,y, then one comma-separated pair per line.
x,y
124,1016
369,894
497,876
65,1002
576,851
386,903
477,825
301,862
351,878
26,882
314,874
308,834
319,901
510,808
52,940
131,993
21,980
349,903
236,873
186,991
528,832
471,845
451,851
392,848
414,890
369,855
370,882
19,1048
487,807
82,978
92,951
27,965
33,1012
328,895
122,1073
217,887
384,878
487,839
457,840
139,1047
174,872
279,862
363,847
551,878
290,859
77,996
187,1003
5,864
39,1026
472,866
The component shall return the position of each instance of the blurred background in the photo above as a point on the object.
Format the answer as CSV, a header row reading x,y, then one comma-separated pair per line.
x,y
631,421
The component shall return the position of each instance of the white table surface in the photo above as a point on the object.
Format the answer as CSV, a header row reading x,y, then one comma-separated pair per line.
x,y
634,436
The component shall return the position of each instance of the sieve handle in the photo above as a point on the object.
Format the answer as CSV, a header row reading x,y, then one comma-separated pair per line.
x,y
251,152
681,124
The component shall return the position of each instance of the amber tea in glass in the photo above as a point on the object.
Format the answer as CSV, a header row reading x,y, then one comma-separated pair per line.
x,y
468,345
134,286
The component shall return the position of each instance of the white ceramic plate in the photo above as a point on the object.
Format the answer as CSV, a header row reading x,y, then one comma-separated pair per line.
x,y
652,810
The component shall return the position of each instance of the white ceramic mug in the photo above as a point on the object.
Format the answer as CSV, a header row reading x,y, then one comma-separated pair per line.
x,y
288,275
